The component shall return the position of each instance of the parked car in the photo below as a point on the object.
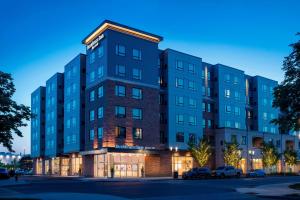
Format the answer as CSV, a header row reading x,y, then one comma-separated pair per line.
x,y
195,173
4,173
227,171
256,173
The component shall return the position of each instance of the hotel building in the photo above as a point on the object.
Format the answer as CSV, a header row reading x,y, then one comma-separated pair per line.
x,y
129,107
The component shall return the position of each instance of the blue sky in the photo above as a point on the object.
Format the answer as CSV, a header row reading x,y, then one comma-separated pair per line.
x,y
37,38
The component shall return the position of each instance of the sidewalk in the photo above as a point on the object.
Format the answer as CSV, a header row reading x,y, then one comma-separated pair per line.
x,y
272,190
125,179
11,181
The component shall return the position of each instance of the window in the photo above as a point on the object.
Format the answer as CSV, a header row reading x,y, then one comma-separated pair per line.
x,y
68,139
100,132
208,107
68,107
265,129
208,76
192,85
227,77
137,93
100,71
271,116
136,73
244,140
92,76
192,68
74,87
265,101
179,101
203,106
179,119
68,123
233,139
120,132
74,122
272,130
192,138
179,82
136,113
120,70
92,134
120,91
92,58
227,93
203,74
92,95
192,103
203,123
227,124
100,92
265,88
136,54
265,116
120,50
236,95
228,109
192,120
73,104
179,65
179,137
100,51
208,92
137,133
277,143
237,125
92,115
203,91
209,123
68,91
237,111
235,80
100,112
120,111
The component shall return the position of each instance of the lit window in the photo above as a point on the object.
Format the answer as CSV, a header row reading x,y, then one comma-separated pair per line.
x,y
137,133
74,87
203,106
92,95
120,111
236,125
136,113
136,73
209,123
227,93
92,115
120,91
192,68
120,132
237,111
136,93
227,77
228,109
208,92
92,76
137,54
179,137
208,107
100,92
179,65
120,70
179,119
100,112
203,74
235,80
179,82
208,76
120,50
265,129
236,95
68,123
203,91
227,124
179,100
265,116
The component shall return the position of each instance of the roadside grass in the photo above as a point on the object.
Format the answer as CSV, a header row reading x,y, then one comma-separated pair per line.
x,y
295,186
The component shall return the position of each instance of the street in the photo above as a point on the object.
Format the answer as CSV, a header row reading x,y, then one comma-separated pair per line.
x,y
145,189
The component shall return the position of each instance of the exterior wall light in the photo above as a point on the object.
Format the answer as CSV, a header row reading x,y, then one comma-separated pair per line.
x,y
171,148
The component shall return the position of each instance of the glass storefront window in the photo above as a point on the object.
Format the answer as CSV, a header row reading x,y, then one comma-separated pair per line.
x,y
181,164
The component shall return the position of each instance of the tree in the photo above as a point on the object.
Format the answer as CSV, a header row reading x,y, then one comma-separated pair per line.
x,y
287,93
200,151
270,155
232,154
12,115
290,157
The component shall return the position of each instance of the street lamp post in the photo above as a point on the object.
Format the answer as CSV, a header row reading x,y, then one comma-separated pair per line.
x,y
251,153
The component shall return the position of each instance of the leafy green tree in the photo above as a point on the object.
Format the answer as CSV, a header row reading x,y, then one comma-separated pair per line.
x,y
201,151
12,115
290,157
232,154
270,155
287,93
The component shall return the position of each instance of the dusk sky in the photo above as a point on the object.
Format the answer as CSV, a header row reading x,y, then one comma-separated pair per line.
x,y
37,38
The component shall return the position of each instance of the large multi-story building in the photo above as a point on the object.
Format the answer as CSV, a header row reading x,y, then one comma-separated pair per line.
x,y
131,108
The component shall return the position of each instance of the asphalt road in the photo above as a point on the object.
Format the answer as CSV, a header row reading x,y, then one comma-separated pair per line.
x,y
158,189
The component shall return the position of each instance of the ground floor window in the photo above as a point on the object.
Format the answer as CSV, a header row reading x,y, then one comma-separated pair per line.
x,y
65,168
39,166
76,163
181,163
55,166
